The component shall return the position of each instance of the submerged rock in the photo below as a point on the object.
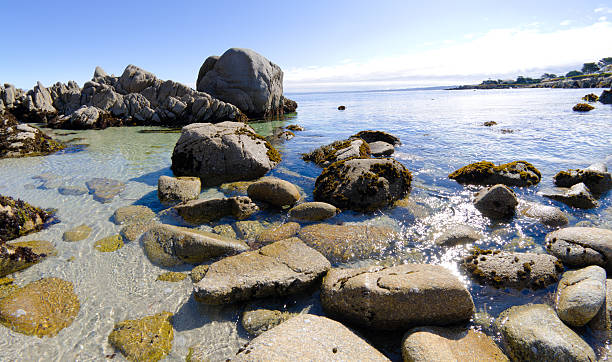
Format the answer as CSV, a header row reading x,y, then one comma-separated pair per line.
x,y
342,243
578,196
225,152
363,184
72,190
77,233
338,151
581,246
547,215
308,337
313,211
533,332
20,140
172,190
279,269
23,254
105,189
41,308
274,191
378,136
133,214
257,321
109,244
205,211
424,344
457,234
496,202
169,245
146,339
295,128
580,295
18,218
517,173
171,277
395,298
514,270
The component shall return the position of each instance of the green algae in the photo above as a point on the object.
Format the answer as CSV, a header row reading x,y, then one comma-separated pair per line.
x,y
109,244
171,277
146,339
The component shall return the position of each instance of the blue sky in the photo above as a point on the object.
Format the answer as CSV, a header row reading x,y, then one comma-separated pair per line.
x,y
320,45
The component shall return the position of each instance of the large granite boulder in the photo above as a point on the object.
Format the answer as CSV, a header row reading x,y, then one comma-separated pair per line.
x,y
308,337
511,269
283,268
224,152
496,202
533,332
20,140
580,295
581,246
517,173
170,245
398,297
41,308
245,79
204,211
424,344
18,218
146,339
363,184
274,191
338,151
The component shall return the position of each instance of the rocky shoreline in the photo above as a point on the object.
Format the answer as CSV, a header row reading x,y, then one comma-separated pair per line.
x,y
597,81
235,258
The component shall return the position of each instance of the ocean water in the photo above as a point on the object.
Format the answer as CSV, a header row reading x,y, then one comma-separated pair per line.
x,y
440,132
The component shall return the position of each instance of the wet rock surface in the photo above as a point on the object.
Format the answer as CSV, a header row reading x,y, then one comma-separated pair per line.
x,y
602,322
205,211
105,189
320,339
277,233
109,244
381,149
274,191
313,211
517,173
581,246
174,190
396,297
279,269
580,295
457,234
133,214
597,179
378,136
547,215
258,321
338,151
146,339
23,254
534,332
77,233
21,140
497,202
578,196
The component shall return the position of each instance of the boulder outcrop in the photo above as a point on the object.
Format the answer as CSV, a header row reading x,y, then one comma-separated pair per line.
x,y
21,140
18,218
581,246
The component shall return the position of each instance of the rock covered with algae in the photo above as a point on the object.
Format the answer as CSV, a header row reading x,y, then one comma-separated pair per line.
x,y
146,339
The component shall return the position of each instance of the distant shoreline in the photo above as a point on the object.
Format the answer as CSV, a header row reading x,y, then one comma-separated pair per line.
x,y
581,81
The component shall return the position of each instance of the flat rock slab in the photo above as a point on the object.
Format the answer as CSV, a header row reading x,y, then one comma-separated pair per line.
x,y
170,245
533,332
146,339
425,344
581,246
105,189
396,297
580,295
342,243
41,308
503,269
313,211
309,338
279,269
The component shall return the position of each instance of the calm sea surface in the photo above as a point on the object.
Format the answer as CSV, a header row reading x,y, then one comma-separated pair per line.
x,y
440,132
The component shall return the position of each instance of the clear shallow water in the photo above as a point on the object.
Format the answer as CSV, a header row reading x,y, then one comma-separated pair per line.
x,y
440,132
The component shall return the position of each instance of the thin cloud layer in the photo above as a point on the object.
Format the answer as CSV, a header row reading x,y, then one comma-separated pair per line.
x,y
497,53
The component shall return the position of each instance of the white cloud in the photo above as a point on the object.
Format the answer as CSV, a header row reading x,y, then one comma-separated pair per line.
x,y
602,18
565,22
498,53
604,10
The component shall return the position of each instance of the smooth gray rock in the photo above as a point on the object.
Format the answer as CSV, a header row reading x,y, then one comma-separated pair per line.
x,y
223,152
394,298
204,211
581,246
580,295
496,202
547,215
308,337
379,149
533,332
578,196
514,270
245,79
457,234
313,211
169,245
279,269
172,190
363,184
602,322
72,190
274,191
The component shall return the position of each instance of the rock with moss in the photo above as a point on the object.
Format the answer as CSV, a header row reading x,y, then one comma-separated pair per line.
x,y
21,255
503,269
394,298
581,246
313,211
223,152
295,128
225,230
170,245
257,321
283,268
7,286
363,184
109,244
343,243
105,189
274,191
173,190
18,218
41,308
547,215
171,277
205,211
22,140
580,295
423,344
534,332
517,173
338,151
582,107
578,196
320,339
591,97
496,202
146,339
597,179
249,229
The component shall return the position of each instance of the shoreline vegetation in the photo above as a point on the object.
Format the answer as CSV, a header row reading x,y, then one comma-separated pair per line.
x,y
592,75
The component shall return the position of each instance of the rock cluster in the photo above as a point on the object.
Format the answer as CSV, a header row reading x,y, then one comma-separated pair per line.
x,y
19,140
18,218
580,188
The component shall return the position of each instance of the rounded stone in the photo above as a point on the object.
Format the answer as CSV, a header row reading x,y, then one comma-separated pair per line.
x,y
109,244
580,295
133,214
313,211
496,202
77,233
274,191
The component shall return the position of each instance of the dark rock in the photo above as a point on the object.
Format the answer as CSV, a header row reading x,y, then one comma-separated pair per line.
x,y
517,173
489,123
341,108
295,128
338,151
289,106
597,179
376,136
606,97
591,97
582,107
578,196
21,255
204,211
18,218
496,202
